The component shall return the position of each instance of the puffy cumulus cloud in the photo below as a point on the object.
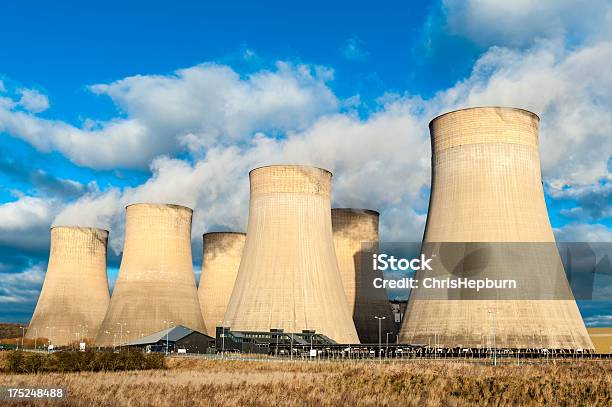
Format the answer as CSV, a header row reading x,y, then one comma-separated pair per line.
x,y
193,108
379,163
583,232
24,223
22,287
570,90
382,162
592,202
33,101
519,22
115,143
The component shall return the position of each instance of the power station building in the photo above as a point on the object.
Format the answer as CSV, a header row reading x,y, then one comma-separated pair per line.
x,y
355,230
222,254
487,217
75,295
155,288
288,277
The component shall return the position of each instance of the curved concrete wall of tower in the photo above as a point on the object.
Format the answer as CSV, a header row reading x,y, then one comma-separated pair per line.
x,y
288,276
156,284
487,187
352,228
74,295
222,254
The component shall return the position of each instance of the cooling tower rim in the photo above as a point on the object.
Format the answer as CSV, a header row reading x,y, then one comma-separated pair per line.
x,y
164,205
368,211
485,107
79,227
224,233
291,166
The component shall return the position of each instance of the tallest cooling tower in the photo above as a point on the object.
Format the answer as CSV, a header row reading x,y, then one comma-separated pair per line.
x,y
487,200
288,276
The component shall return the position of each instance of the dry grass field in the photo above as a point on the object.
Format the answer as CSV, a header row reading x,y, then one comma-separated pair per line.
x,y
204,382
602,339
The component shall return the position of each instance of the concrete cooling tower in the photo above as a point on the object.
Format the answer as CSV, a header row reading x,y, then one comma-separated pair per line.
x,y
74,295
353,228
288,276
222,253
156,284
486,190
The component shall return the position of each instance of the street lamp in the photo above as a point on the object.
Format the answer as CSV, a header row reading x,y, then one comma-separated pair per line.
x,y
22,335
387,346
167,333
222,339
379,336
494,343
291,334
50,328
121,332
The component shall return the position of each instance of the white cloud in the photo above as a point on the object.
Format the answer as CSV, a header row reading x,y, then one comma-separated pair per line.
x,y
22,287
598,321
369,159
382,162
228,124
583,232
193,108
33,101
519,22
570,90
24,213
25,222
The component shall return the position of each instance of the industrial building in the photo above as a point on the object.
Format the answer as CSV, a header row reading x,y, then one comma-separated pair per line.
x,y
352,230
288,277
222,253
156,285
486,190
274,342
177,339
75,294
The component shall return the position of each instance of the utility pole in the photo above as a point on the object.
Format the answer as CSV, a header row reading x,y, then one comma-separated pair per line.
x,y
22,335
494,342
379,336
167,333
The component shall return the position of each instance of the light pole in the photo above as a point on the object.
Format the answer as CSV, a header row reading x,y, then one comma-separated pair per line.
x,y
387,346
167,333
494,343
222,339
50,328
22,335
291,334
379,336
120,333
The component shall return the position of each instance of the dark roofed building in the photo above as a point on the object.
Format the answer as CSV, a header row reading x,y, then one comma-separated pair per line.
x,y
176,339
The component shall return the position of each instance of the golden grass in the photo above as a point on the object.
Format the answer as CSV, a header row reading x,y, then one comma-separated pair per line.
x,y
602,339
405,383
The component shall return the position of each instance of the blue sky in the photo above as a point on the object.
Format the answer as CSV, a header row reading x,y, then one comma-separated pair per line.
x,y
103,105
